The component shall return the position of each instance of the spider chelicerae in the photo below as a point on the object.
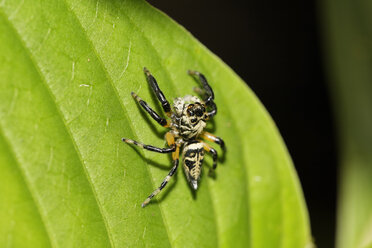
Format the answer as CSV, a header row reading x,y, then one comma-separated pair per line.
x,y
187,120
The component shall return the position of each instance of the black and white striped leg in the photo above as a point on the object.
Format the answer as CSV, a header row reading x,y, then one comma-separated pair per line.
x,y
166,179
214,156
149,147
159,94
207,89
149,110
213,152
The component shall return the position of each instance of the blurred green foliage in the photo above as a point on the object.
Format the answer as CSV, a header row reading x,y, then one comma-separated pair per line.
x,y
348,33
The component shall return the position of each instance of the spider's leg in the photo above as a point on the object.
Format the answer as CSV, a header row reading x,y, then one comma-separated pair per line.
x,y
210,149
149,110
209,101
199,91
175,162
213,138
149,147
159,94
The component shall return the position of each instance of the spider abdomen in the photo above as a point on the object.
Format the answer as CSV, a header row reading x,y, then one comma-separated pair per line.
x,y
192,157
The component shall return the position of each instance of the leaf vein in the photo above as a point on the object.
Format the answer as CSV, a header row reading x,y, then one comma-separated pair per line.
x,y
37,69
110,80
30,189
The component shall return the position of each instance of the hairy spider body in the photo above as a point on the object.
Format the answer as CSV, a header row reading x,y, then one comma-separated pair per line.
x,y
192,158
187,122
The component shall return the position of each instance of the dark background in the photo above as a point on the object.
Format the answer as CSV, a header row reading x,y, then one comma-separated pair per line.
x,y
275,46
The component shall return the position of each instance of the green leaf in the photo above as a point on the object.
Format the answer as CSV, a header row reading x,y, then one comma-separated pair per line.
x,y
348,34
67,70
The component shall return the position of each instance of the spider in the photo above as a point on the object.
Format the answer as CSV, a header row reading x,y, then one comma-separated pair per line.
x,y
187,121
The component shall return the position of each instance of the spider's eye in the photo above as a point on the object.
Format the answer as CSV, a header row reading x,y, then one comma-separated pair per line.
x,y
190,112
199,112
193,120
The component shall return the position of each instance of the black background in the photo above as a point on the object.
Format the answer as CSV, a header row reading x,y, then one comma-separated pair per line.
x,y
275,46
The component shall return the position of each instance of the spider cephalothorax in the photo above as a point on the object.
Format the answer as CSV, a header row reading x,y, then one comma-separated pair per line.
x,y
187,122
190,116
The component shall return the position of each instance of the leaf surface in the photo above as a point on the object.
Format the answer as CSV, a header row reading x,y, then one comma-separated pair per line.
x,y
68,68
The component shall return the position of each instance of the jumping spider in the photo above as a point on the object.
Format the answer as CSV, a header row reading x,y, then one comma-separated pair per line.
x,y
187,121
